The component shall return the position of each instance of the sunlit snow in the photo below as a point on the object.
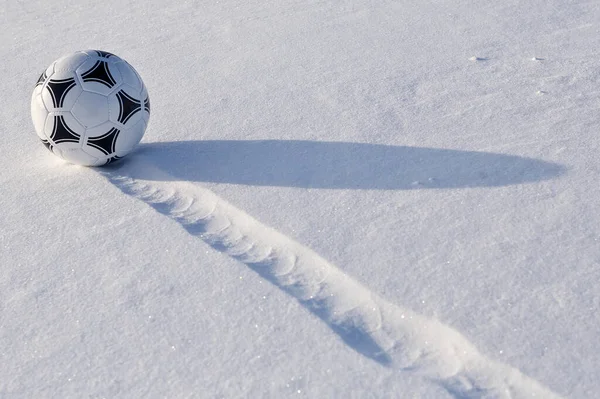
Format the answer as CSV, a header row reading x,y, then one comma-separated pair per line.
x,y
345,199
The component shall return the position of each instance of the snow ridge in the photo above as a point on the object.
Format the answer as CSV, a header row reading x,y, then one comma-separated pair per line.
x,y
389,334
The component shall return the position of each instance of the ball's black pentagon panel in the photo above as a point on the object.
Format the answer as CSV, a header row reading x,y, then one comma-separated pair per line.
x,y
58,90
147,104
99,73
128,106
62,133
105,143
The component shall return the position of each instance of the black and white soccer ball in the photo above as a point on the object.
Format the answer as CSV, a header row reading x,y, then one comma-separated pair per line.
x,y
90,108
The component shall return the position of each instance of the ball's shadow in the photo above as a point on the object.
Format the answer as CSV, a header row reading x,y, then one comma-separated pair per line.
x,y
336,165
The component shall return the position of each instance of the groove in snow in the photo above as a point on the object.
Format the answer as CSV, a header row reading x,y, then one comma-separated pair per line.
x,y
389,334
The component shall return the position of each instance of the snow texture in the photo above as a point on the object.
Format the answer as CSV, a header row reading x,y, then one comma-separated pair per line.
x,y
346,199
388,334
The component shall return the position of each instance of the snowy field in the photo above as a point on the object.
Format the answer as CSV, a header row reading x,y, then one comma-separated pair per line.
x,y
333,199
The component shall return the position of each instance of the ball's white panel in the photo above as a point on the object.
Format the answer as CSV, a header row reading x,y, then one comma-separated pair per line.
x,y
61,91
57,152
144,93
146,117
70,63
96,153
130,137
100,130
130,77
91,109
39,113
73,153
99,75
87,65
50,70
61,75
37,90
125,106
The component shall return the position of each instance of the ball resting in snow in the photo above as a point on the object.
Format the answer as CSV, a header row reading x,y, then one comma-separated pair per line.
x,y
90,108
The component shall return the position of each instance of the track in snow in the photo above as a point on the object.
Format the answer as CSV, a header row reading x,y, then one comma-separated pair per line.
x,y
393,336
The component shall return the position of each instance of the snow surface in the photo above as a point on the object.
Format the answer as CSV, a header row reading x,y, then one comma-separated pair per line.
x,y
333,199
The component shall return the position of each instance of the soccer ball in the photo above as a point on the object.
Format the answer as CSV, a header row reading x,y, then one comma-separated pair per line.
x,y
90,108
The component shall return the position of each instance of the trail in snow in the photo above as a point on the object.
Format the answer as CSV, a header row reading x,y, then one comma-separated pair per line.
x,y
389,334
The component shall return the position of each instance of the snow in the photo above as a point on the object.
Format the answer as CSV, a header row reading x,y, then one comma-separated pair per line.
x,y
333,199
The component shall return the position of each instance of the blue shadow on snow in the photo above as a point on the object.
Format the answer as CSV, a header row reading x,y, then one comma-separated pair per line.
x,y
339,165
